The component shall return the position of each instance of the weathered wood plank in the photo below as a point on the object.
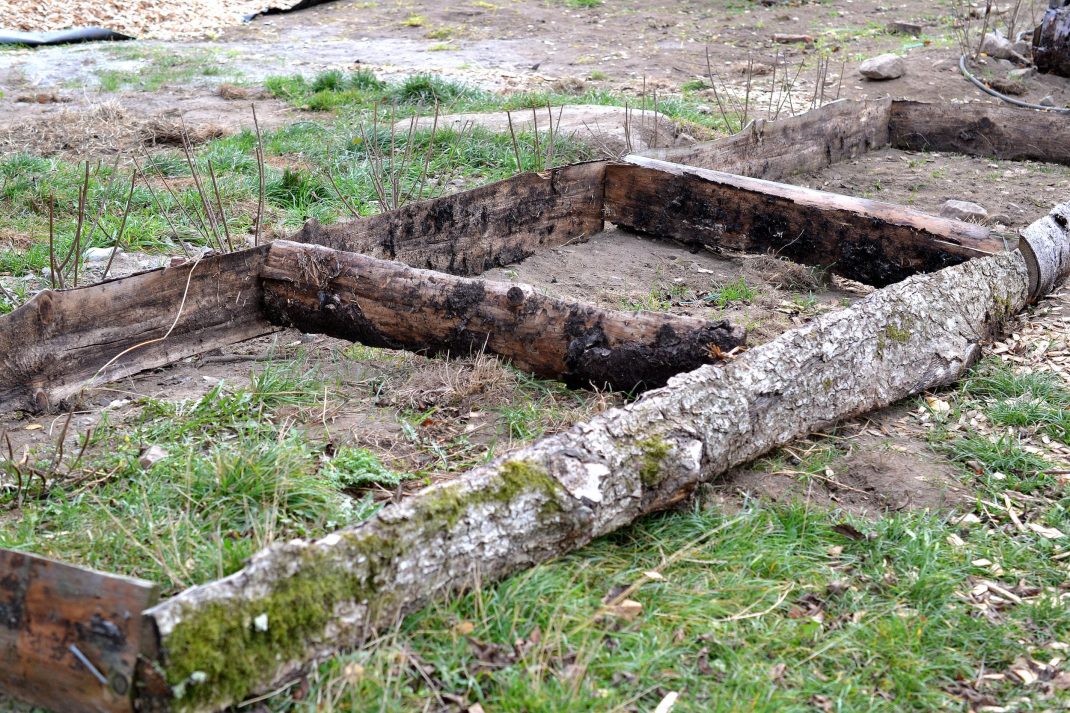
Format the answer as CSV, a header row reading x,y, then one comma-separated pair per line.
x,y
471,232
981,130
69,637
385,304
799,144
54,345
559,493
869,241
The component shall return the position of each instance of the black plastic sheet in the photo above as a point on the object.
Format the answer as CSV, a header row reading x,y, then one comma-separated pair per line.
x,y
60,37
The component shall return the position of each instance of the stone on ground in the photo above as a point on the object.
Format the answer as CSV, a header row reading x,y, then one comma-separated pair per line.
x,y
883,67
963,210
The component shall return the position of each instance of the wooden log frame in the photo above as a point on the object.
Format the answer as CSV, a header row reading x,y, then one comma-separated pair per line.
x,y
471,232
777,149
384,304
69,637
979,130
320,597
869,241
62,340
529,505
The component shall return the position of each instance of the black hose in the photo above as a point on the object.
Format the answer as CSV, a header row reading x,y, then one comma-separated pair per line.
x,y
998,95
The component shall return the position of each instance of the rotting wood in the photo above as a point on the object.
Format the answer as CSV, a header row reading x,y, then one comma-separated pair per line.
x,y
55,344
808,142
869,241
471,232
979,130
69,637
317,598
385,304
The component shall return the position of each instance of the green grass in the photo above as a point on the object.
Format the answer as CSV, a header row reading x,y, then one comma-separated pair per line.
x,y
162,67
418,94
235,479
770,609
160,219
731,293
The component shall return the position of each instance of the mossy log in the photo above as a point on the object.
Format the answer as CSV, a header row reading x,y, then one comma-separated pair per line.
x,y
300,601
386,304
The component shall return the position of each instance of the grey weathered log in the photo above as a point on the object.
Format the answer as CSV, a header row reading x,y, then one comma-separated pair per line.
x,y
774,150
385,304
1046,250
556,495
471,232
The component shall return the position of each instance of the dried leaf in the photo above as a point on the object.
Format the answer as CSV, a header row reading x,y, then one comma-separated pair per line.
x,y
1050,533
667,702
628,610
464,628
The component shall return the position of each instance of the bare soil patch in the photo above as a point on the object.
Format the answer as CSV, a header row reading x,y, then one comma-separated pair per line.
x,y
620,270
887,466
95,125
1015,193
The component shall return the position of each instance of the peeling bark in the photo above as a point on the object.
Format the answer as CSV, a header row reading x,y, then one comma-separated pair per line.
x,y
563,491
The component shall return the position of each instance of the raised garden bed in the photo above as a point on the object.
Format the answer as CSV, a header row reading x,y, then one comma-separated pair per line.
x,y
73,639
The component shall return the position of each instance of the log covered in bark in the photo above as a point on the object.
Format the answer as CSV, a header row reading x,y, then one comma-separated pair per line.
x,y
471,232
385,304
59,341
999,132
556,495
869,241
808,142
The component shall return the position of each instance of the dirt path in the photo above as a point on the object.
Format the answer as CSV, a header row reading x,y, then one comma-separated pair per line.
x,y
616,45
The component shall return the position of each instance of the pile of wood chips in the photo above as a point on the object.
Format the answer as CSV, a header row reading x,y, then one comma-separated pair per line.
x,y
159,19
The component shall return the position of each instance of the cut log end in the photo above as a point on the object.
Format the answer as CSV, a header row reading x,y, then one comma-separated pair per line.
x,y
1045,245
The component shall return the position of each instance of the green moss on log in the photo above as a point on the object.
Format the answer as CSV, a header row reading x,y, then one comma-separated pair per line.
x,y
221,651
654,451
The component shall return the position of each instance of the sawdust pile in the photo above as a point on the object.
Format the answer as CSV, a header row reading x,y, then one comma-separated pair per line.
x,y
160,19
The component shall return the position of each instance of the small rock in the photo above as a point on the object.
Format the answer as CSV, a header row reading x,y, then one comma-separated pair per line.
x,y
904,28
1019,75
882,67
100,254
1048,101
151,456
963,210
